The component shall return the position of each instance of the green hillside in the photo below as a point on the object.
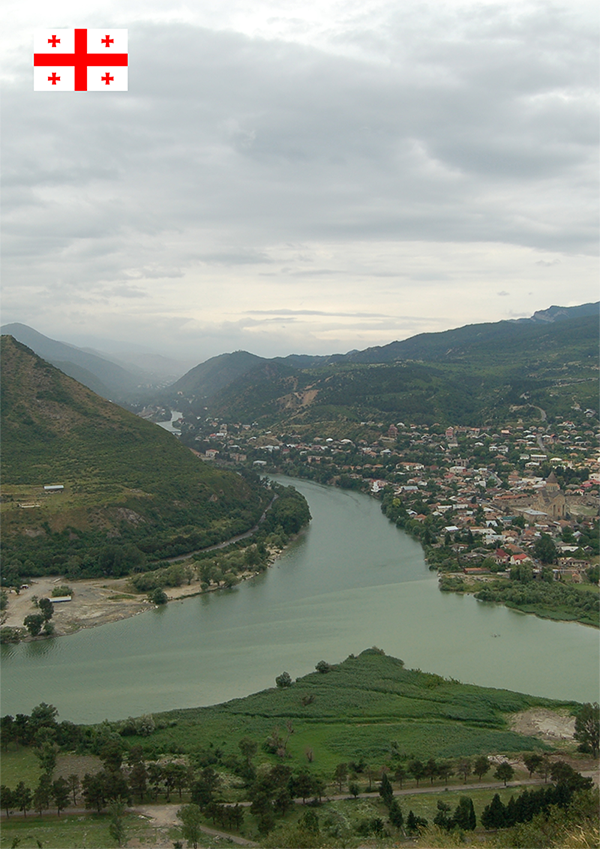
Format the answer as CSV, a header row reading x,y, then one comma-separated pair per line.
x,y
215,374
131,491
470,376
369,707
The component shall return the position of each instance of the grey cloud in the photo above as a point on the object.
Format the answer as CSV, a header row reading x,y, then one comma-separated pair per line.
x,y
475,127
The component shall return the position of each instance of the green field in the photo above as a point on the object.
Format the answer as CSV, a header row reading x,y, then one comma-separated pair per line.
x,y
368,707
83,831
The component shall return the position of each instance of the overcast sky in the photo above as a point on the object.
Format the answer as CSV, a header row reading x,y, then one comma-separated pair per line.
x,y
303,177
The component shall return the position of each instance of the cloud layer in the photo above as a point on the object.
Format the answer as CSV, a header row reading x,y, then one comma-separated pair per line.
x,y
305,187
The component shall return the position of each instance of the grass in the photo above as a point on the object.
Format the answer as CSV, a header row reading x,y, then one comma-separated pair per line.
x,y
20,765
367,707
84,831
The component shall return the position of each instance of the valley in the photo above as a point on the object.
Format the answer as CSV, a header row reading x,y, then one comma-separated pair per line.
x,y
466,464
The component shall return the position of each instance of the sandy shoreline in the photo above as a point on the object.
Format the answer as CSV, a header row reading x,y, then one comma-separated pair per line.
x,y
95,601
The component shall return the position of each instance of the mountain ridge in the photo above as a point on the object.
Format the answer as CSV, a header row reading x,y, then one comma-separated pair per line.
x,y
128,484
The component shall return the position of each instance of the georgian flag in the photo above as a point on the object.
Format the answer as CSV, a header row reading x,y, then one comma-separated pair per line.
x,y
80,60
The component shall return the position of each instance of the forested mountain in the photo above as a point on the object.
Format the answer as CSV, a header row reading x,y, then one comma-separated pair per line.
x,y
470,375
131,491
215,374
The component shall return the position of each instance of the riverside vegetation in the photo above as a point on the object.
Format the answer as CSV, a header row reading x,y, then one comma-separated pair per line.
x,y
130,496
131,493
294,766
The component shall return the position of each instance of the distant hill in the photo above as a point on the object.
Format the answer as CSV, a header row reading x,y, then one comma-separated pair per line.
x,y
471,375
555,313
103,376
215,374
131,489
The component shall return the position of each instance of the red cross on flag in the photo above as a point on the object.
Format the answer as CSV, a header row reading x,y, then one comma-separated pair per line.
x,y
80,60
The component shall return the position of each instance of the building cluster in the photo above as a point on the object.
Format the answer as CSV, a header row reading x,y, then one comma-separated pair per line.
x,y
504,486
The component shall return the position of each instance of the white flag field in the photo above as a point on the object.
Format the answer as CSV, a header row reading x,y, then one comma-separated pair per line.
x,y
80,60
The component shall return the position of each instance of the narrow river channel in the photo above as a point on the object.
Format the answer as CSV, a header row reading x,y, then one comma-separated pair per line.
x,y
351,581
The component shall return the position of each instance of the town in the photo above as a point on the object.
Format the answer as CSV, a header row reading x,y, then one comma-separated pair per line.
x,y
517,502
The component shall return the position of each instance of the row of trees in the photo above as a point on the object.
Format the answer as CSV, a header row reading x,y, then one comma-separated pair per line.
x,y
529,803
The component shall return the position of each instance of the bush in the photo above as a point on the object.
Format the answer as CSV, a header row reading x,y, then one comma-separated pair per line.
x,y
158,596
10,635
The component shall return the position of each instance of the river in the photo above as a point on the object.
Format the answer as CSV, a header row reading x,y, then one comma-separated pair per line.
x,y
352,580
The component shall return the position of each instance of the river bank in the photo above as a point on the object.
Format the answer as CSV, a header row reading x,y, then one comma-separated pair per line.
x,y
99,601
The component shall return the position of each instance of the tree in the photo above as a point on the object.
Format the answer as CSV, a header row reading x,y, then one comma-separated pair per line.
x,y
323,667
42,794
7,799
138,780
431,769
395,814
46,608
116,826
158,596
545,550
34,623
111,755
310,821
445,771
494,814
417,770
442,818
60,792
181,776
22,798
284,680
386,791
414,823
587,728
203,788
400,774
94,790
353,789
47,754
464,815
532,762
191,820
73,782
248,748
464,768
504,772
340,775
43,716
481,766
303,785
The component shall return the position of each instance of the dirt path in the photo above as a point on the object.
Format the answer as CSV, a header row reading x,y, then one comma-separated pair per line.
x,y
165,817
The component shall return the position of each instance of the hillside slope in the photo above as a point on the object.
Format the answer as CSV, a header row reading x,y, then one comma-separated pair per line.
x,y
101,375
470,376
215,374
129,486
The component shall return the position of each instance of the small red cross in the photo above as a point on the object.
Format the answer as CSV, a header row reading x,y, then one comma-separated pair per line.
x,y
107,78
107,40
54,41
53,79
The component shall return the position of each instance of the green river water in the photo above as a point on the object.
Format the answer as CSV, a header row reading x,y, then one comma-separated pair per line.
x,y
351,581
